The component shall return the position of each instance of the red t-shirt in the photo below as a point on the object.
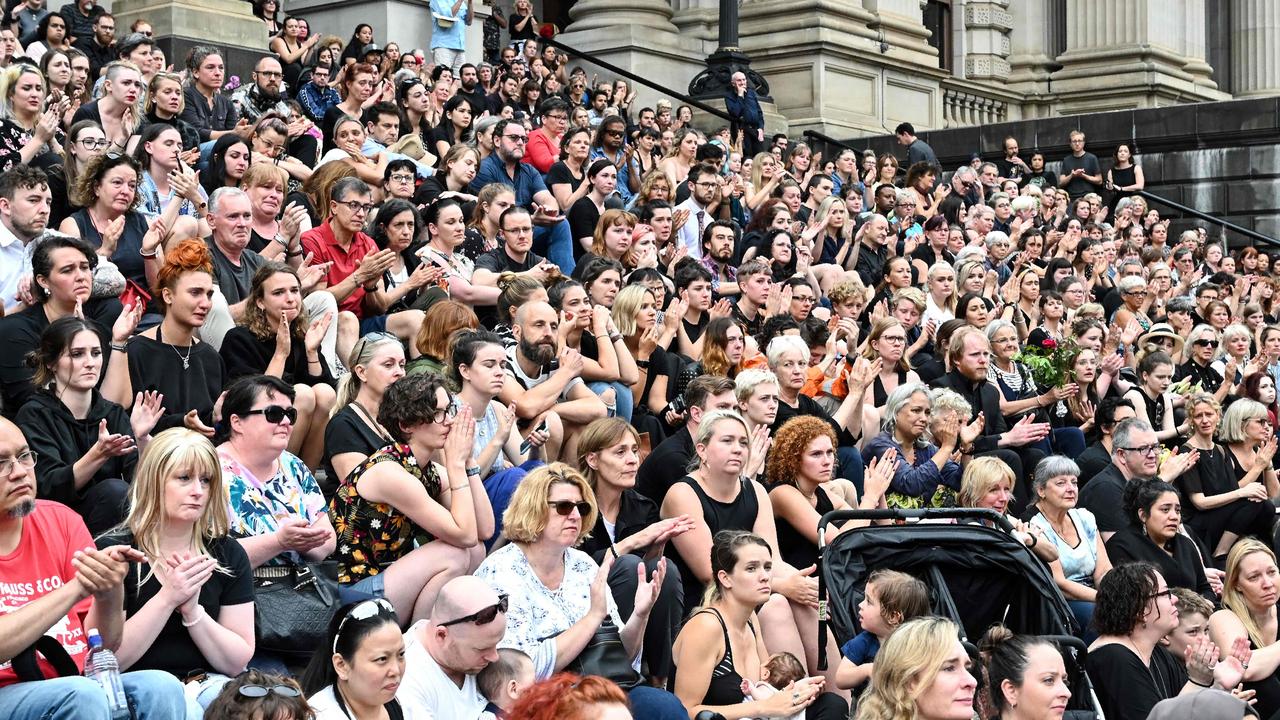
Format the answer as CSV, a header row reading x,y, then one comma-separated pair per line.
x,y
542,151
321,244
40,565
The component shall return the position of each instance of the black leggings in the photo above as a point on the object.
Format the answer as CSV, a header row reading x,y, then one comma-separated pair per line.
x,y
664,619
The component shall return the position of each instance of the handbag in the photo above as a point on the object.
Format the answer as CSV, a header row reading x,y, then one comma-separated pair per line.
x,y
606,656
292,607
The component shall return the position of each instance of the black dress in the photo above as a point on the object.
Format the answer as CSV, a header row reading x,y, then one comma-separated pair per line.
x,y
1215,473
793,547
1127,688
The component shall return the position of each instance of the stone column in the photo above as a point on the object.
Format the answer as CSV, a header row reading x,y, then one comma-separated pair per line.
x,y
1194,45
182,24
648,15
900,25
1255,47
987,24
1128,53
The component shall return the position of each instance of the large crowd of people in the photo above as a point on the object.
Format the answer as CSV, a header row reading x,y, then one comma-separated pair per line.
x,y
397,383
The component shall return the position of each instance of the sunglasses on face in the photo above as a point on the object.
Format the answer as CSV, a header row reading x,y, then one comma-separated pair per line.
x,y
274,414
564,507
482,617
1205,343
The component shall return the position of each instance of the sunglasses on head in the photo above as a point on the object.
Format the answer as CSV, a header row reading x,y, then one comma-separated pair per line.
x,y
259,691
483,616
564,507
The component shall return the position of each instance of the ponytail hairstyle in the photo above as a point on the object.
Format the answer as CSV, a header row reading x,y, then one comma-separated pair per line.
x,y
515,290
348,628
724,558
1008,656
466,343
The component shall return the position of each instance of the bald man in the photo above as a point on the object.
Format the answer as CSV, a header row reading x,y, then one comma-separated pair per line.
x,y
443,655
54,587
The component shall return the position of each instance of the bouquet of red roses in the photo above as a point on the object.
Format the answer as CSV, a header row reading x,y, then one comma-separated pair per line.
x,y
1050,362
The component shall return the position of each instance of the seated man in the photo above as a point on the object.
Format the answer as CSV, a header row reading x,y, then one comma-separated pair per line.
x,y
355,267
539,388
667,462
382,130
55,588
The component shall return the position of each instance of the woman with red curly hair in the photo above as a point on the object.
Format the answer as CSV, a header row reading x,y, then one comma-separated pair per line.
x,y
566,696
169,358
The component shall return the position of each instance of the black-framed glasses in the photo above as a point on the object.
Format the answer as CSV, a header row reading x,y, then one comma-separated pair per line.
x,y
1205,342
26,459
260,691
1144,450
517,138
438,417
268,73
356,206
483,616
402,177
564,507
275,414
1165,593
93,143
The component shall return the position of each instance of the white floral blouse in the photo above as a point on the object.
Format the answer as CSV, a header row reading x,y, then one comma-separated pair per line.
x,y
536,613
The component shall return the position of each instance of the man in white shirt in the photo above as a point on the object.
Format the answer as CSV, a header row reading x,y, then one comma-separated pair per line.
x,y
704,197
24,213
444,654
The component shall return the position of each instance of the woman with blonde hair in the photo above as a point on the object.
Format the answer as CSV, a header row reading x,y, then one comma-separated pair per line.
x,y
1248,617
635,316
189,607
353,432
165,103
920,673
29,134
766,173
988,483
684,149
485,224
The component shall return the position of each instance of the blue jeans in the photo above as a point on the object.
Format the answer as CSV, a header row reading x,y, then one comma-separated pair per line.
x,y
500,486
1083,612
652,703
850,466
153,694
624,400
555,243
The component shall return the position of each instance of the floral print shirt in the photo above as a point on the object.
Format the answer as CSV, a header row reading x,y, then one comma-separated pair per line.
x,y
14,137
257,507
536,613
372,535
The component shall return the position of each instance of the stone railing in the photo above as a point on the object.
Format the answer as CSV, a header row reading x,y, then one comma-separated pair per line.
x,y
962,107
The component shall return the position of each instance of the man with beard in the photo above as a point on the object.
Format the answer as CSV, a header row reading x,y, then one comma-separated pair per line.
x,y
717,257
266,95
551,230
100,46
705,193
57,586
471,89
541,390
24,213
508,93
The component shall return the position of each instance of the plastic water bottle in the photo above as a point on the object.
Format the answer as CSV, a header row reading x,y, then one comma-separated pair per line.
x,y
100,665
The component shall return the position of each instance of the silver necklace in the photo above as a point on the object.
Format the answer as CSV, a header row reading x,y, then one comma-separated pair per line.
x,y
186,361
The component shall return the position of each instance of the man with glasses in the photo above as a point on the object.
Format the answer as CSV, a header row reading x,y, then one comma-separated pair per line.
x,y
609,144
515,227
100,46
355,263
706,194
1135,453
266,95
872,249
543,149
316,97
57,586
965,185
444,654
551,236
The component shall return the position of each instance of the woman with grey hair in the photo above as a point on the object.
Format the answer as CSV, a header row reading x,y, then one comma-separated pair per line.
x,y
1197,368
1251,446
1135,301
926,475
1234,352
1082,557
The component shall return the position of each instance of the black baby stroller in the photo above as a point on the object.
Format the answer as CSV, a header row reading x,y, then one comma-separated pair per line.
x,y
976,575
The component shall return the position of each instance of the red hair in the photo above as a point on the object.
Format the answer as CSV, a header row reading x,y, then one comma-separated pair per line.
x,y
566,696
190,255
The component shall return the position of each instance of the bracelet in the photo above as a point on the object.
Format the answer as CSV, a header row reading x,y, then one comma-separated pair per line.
x,y
120,347
615,337
281,239
473,471
460,488
1034,540
199,617
642,364
151,255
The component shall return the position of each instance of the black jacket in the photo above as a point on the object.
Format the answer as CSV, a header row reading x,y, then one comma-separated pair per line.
x,y
984,397
20,335
60,440
665,465
635,513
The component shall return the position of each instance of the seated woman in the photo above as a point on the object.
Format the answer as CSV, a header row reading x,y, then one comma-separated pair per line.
x,y
87,445
269,142
1151,397
1025,674
165,103
360,664
353,432
258,694
408,282
1130,670
62,283
716,495
396,500
926,476
630,529
169,188
608,367
713,662
189,608
85,141
168,358
1155,519
988,483
227,164
1251,448
277,338
548,515
921,672
274,504
1248,618
1216,503
1082,558
1197,363
612,239
1019,395
446,232
441,321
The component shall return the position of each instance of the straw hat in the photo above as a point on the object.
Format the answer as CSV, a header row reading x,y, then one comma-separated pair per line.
x,y
1160,331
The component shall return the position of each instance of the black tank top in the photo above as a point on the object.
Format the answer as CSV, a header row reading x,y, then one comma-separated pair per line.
x,y
793,546
878,394
725,687
739,514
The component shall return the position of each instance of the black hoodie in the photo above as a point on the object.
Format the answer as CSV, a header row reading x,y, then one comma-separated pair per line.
x,y
59,440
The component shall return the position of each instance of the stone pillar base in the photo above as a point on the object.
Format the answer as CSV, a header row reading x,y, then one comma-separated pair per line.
x,y
663,57
182,24
1099,80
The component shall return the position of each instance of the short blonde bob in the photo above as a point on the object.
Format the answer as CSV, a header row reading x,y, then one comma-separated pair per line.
x,y
526,517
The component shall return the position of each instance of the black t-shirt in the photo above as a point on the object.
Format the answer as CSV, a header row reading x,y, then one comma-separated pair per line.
x,y
498,261
1078,187
348,433
1128,689
173,650
560,174
583,217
